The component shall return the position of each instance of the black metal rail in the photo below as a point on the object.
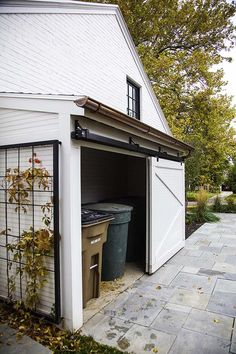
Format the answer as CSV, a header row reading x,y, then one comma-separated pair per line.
x,y
86,135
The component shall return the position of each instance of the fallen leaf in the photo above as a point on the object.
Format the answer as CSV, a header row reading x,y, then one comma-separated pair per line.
x,y
155,350
22,328
216,321
19,335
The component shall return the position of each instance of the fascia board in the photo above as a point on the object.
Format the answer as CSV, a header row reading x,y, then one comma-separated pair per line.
x,y
41,103
57,6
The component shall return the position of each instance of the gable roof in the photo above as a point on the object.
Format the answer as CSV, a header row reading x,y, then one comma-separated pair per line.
x,y
72,7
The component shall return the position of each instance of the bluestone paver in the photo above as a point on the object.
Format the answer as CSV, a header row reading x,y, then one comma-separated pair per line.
x,y
156,291
228,250
194,282
216,244
226,286
142,340
195,253
25,345
170,320
107,330
187,307
137,308
211,249
223,303
192,298
210,272
209,323
199,262
165,274
191,270
225,267
190,342
230,259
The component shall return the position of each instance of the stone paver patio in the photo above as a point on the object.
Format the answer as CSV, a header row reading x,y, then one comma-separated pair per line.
x,y
187,307
9,344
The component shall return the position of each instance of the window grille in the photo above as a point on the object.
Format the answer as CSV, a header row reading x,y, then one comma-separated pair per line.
x,y
133,100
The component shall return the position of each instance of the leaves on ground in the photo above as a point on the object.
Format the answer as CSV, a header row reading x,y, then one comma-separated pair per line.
x,y
55,338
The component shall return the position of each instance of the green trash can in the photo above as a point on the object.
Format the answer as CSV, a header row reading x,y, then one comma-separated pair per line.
x,y
114,250
136,243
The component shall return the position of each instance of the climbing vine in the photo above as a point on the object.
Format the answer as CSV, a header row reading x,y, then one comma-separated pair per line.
x,y
30,250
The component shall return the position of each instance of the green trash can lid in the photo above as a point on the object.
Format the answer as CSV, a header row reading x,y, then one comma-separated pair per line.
x,y
110,207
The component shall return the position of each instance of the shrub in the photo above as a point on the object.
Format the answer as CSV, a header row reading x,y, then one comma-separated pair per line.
x,y
190,218
191,196
231,196
232,177
231,205
202,214
217,206
210,217
201,208
214,190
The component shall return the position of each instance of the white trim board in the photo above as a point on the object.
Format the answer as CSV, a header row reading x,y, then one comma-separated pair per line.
x,y
41,103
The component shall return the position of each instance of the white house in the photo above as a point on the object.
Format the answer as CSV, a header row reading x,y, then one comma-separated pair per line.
x,y
69,73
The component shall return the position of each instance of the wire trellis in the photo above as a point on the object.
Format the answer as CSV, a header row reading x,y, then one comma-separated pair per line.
x,y
28,202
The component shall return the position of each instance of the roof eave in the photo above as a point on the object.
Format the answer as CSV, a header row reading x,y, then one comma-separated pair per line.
x,y
98,107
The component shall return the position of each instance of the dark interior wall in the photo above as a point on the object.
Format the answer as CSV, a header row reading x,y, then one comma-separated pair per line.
x,y
108,175
136,176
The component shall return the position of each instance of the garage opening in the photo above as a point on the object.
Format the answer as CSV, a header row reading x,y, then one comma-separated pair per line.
x,y
117,178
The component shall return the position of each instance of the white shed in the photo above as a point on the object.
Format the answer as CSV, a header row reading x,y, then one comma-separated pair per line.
x,y
70,74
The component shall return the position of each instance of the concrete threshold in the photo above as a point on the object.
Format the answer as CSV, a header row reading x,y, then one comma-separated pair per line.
x,y
111,289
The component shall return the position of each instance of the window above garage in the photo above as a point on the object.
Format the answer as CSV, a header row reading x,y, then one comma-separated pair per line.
x,y
133,99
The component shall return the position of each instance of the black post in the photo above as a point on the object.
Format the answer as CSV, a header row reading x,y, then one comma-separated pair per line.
x,y
56,231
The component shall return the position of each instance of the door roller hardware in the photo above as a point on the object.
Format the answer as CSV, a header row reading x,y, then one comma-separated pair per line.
x,y
85,135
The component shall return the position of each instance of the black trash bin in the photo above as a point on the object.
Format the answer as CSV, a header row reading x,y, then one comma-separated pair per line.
x,y
114,250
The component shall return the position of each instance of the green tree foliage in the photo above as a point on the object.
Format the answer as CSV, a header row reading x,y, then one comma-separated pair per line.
x,y
180,43
212,137
232,177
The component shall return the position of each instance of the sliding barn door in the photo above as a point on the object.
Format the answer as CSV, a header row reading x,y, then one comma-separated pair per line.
x,y
166,211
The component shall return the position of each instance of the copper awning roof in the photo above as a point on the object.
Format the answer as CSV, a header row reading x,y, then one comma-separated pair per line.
x,y
98,107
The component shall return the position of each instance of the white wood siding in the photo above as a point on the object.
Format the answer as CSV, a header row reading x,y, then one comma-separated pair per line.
x,y
19,126
71,54
109,175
